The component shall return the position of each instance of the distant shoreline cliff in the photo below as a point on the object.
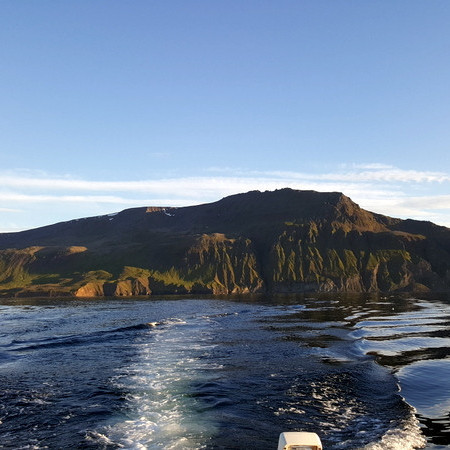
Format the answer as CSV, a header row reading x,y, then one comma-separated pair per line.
x,y
284,241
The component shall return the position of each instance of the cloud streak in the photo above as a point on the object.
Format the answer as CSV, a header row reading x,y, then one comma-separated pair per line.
x,y
378,173
378,187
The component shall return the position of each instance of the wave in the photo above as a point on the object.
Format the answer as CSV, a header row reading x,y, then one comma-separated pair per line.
x,y
407,436
414,344
18,345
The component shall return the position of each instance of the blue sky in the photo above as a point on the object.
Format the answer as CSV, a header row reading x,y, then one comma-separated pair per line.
x,y
107,105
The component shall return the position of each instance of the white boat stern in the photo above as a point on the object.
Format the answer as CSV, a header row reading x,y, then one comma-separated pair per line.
x,y
299,440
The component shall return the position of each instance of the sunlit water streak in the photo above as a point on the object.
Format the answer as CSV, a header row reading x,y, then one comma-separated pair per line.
x,y
170,357
360,371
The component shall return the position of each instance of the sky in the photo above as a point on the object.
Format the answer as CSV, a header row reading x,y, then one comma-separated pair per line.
x,y
113,104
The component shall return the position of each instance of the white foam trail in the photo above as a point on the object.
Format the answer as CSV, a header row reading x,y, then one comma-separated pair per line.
x,y
341,413
159,413
406,437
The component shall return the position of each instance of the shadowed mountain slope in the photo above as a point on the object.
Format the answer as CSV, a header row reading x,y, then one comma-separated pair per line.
x,y
280,241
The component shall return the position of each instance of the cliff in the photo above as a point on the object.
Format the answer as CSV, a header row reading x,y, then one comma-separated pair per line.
x,y
281,241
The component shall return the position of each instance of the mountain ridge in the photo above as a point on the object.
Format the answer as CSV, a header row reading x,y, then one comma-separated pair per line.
x,y
273,241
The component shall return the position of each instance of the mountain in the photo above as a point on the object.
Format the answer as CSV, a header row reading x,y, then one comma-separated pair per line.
x,y
278,242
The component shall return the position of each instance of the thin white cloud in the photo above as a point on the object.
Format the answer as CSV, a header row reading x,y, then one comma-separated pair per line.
x,y
10,228
377,187
379,173
37,198
82,199
373,166
428,202
430,208
10,210
209,188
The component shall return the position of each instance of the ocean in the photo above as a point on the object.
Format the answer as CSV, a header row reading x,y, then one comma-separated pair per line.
x,y
363,372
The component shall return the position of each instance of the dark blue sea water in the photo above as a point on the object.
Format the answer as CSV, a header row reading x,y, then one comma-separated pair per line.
x,y
362,372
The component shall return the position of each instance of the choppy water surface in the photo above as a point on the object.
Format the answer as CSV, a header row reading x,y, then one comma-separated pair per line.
x,y
362,372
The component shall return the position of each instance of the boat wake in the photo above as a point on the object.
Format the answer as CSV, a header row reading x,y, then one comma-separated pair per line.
x,y
158,412
406,435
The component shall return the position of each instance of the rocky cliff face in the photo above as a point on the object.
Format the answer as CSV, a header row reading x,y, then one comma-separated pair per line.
x,y
226,266
310,258
282,241
125,288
